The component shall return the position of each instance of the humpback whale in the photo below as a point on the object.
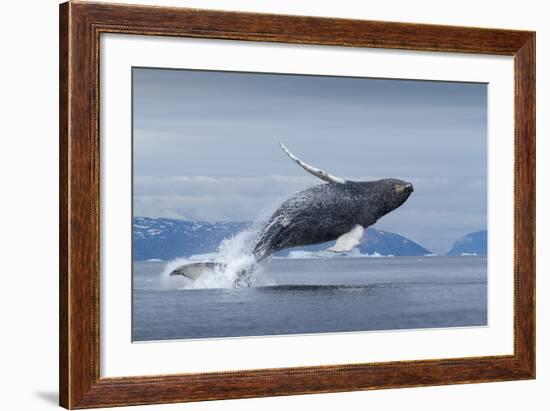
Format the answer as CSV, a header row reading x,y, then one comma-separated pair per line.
x,y
337,210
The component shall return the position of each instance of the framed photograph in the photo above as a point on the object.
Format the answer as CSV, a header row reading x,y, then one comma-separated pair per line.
x,y
258,205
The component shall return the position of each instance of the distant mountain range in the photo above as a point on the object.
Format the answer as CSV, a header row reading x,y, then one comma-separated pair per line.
x,y
374,243
165,239
471,244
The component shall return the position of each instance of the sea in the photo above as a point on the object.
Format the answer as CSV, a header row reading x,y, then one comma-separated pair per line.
x,y
314,295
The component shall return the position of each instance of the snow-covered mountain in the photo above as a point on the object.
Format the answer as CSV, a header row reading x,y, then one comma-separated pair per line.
x,y
375,242
471,244
165,239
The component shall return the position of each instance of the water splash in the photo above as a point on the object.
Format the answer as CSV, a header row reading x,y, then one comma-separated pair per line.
x,y
237,266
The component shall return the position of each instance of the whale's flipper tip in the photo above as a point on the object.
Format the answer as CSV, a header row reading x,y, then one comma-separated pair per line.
x,y
193,271
317,172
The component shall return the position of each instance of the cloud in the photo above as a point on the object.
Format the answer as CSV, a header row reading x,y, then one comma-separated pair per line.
x,y
206,145
213,199
246,187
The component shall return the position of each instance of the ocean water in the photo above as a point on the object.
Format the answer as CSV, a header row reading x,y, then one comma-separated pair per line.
x,y
316,295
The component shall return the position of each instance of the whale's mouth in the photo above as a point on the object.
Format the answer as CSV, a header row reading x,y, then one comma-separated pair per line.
x,y
404,188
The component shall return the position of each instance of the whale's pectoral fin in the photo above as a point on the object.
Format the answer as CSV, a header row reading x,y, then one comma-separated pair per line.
x,y
349,240
317,172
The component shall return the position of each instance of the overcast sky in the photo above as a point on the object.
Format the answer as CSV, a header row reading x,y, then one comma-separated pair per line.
x,y
206,145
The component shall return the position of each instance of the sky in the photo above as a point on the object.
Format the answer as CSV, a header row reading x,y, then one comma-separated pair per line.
x,y
205,145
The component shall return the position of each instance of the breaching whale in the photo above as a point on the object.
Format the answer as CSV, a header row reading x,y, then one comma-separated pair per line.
x,y
338,210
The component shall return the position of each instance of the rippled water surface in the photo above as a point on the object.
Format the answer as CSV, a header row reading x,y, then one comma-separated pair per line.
x,y
306,296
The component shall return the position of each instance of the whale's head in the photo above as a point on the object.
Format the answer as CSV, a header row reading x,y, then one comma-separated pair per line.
x,y
384,196
394,192
378,197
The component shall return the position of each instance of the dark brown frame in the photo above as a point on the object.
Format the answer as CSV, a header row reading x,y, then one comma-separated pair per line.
x,y
80,27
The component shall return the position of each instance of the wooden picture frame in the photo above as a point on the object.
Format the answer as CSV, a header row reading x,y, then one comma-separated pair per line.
x,y
80,27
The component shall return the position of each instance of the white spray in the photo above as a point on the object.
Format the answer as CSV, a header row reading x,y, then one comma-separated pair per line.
x,y
237,266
